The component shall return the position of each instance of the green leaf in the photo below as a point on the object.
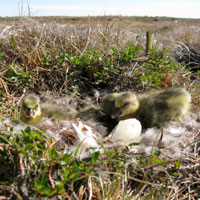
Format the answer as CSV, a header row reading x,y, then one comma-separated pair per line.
x,y
177,164
65,172
60,59
74,175
53,155
76,164
78,148
95,156
66,158
3,139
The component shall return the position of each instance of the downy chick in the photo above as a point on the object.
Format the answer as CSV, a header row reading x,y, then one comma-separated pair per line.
x,y
152,109
106,108
108,103
32,111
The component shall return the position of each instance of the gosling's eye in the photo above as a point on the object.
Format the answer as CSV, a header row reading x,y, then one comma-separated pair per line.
x,y
126,104
36,107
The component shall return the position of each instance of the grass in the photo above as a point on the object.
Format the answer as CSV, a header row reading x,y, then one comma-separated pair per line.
x,y
32,166
64,56
83,55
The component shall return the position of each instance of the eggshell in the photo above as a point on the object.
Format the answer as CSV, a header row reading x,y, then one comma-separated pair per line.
x,y
128,130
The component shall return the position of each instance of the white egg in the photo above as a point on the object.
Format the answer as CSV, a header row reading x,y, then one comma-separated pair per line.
x,y
128,130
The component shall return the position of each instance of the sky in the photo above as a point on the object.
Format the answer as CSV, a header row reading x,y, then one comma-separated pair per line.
x,y
168,8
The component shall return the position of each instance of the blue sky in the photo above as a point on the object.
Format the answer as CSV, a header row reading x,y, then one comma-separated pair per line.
x,y
170,8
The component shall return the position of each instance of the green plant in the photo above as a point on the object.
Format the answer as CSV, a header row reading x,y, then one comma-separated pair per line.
x,y
129,53
17,76
157,67
148,43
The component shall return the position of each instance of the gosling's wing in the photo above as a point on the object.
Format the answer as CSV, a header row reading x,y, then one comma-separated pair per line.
x,y
58,112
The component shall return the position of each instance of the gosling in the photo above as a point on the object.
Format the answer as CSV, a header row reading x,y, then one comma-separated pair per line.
x,y
152,109
32,111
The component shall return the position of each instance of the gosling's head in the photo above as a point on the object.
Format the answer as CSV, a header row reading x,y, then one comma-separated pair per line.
x,y
125,104
31,107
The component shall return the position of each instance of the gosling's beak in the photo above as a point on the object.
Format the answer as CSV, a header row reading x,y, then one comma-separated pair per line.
x,y
116,113
30,113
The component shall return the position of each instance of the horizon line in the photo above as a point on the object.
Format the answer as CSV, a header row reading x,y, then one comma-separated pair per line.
x,y
109,15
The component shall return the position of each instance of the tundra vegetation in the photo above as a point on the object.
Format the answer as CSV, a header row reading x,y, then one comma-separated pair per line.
x,y
81,55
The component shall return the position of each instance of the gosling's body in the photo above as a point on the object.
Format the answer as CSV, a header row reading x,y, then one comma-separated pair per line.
x,y
152,109
32,111
156,109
